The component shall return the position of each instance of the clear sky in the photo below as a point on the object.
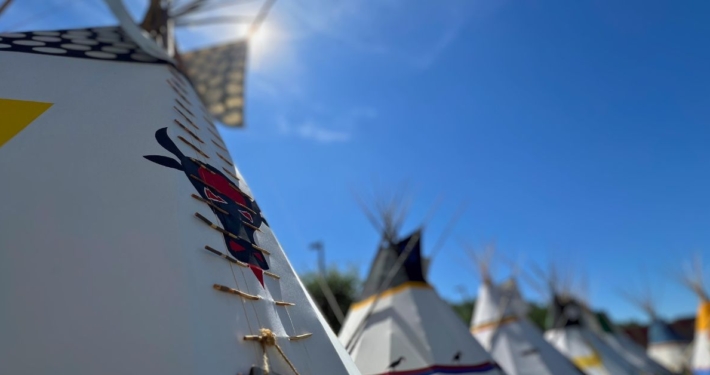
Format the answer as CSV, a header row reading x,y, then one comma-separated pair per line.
x,y
575,131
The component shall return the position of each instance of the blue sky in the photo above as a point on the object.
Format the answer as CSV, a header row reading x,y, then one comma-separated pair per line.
x,y
574,131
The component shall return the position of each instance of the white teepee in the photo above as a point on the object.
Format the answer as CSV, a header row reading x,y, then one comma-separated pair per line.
x,y
700,363
500,324
130,242
570,335
400,325
570,332
665,346
632,352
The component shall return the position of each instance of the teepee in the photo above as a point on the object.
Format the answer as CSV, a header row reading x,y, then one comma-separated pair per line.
x,y
500,324
632,352
665,346
400,325
570,332
130,243
700,363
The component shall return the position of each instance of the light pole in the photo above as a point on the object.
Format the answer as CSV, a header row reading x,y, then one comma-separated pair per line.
x,y
318,246
463,292
329,296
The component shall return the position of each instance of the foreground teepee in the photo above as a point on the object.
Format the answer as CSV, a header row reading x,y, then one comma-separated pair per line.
x,y
130,242
665,346
400,325
700,363
500,324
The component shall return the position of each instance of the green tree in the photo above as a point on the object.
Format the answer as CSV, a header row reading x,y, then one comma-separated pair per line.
x,y
345,286
537,315
464,309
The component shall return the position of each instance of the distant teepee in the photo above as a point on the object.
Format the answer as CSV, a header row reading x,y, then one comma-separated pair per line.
x,y
700,363
570,332
400,325
500,324
665,346
631,351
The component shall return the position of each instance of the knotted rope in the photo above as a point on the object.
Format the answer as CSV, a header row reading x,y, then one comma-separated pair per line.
x,y
268,338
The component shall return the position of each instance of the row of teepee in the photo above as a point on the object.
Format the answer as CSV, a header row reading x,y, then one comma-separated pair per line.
x,y
401,326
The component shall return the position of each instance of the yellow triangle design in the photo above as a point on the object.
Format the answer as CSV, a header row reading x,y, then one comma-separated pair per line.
x,y
15,115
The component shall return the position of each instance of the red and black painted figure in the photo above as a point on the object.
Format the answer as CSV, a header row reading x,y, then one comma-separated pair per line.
x,y
242,213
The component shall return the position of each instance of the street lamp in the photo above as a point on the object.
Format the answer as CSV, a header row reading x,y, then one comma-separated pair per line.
x,y
329,296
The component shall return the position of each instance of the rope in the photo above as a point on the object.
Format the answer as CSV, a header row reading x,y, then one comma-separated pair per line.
x,y
268,338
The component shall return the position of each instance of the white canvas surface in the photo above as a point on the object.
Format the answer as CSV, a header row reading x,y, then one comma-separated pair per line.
x,y
102,267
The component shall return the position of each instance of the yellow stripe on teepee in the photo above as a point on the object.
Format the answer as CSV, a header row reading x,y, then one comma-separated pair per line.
x,y
703,321
493,324
589,361
389,292
15,115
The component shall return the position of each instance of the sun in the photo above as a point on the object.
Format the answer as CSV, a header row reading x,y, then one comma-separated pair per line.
x,y
263,44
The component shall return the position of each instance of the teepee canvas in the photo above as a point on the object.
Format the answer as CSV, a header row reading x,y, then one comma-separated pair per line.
x,y
700,363
400,325
573,338
499,323
632,352
570,334
130,242
665,346
509,290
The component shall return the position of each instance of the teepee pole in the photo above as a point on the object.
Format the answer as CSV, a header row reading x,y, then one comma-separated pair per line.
x,y
4,6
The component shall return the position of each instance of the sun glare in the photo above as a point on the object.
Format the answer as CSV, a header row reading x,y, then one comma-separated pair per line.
x,y
262,44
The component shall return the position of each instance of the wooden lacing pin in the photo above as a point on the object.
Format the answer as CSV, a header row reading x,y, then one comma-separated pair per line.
x,y
207,184
214,133
186,118
251,226
193,135
232,186
218,141
268,338
225,159
282,303
176,74
227,257
184,107
215,227
300,337
193,147
261,249
245,207
176,89
209,203
229,290
176,85
203,166
209,121
275,276
219,145
230,173
221,254
183,97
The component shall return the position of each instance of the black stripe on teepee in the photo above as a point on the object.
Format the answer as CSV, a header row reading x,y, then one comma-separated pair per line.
x,y
386,259
99,43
